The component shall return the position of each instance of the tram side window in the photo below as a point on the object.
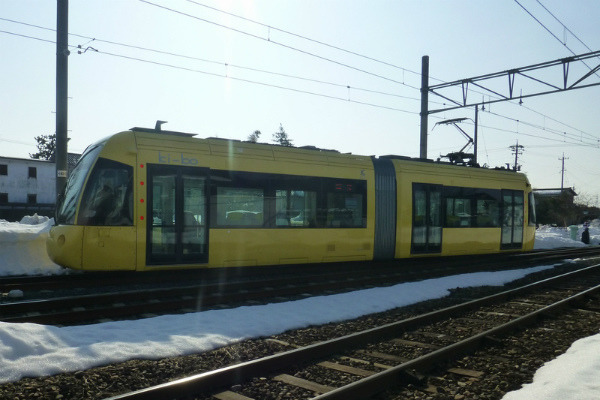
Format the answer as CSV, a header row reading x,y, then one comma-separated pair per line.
x,y
67,201
458,212
531,209
488,213
295,208
345,210
108,197
240,206
246,199
471,207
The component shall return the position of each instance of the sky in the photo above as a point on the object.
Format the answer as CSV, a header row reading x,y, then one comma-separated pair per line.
x,y
33,350
205,70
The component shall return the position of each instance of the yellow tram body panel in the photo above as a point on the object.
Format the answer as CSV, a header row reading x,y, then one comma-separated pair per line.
x,y
456,241
64,245
147,155
241,247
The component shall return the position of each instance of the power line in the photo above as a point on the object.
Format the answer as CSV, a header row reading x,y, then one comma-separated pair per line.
x,y
557,121
549,31
255,82
268,72
17,142
551,130
564,26
28,37
220,63
225,76
162,52
275,42
270,27
542,25
536,136
303,37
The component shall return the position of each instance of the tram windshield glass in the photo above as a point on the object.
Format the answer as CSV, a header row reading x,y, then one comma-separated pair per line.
x,y
65,209
107,198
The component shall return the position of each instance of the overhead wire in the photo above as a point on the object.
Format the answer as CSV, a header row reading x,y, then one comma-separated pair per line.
x,y
540,127
551,33
274,42
535,136
28,37
255,82
220,63
564,26
302,37
226,76
516,132
253,69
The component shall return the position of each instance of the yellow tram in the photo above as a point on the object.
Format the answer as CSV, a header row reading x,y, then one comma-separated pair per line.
x,y
148,199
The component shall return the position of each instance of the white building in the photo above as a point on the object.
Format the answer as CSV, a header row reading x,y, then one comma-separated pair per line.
x,y
28,186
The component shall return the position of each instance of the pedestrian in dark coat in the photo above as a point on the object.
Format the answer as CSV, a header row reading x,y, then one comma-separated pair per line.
x,y
585,235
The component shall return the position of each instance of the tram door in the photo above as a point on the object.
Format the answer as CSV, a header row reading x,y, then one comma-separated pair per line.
x,y
426,219
513,213
177,204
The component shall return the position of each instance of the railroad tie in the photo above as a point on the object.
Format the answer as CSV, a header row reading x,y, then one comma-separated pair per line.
x,y
303,383
229,395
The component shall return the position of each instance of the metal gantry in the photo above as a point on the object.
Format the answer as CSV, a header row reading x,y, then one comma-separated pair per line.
x,y
565,81
484,82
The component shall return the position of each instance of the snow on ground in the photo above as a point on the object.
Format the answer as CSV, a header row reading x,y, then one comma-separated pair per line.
x,y
548,237
23,247
574,375
29,350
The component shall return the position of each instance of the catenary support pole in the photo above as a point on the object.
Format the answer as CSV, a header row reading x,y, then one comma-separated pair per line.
x,y
424,104
475,135
62,54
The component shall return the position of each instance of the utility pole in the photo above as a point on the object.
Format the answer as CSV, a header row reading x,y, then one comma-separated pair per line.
x,y
517,150
562,171
475,135
62,64
424,104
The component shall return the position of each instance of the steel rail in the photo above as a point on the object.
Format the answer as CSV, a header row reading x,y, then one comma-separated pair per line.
x,y
376,383
224,377
124,304
123,278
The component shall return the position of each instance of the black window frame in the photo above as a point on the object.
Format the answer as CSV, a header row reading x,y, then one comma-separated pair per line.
x,y
32,172
3,169
3,198
431,231
126,210
31,198
178,256
324,187
531,213
474,195
512,228
68,200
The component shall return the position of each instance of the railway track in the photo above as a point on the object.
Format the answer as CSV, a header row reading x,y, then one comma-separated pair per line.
x,y
97,297
108,280
366,363
110,300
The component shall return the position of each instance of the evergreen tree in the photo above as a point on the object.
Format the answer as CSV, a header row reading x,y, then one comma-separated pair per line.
x,y
254,136
282,138
46,145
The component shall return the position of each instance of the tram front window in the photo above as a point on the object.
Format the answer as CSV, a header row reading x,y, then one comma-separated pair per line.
x,y
108,198
67,204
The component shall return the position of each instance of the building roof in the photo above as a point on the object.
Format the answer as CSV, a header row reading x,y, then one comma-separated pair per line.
x,y
552,192
72,159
